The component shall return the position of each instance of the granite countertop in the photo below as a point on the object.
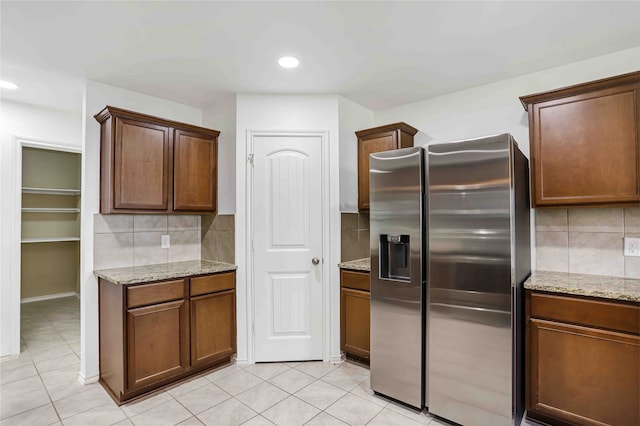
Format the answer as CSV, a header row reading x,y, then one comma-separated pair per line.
x,y
162,271
585,285
357,265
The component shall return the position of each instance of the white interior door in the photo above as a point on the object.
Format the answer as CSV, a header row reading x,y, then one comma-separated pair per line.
x,y
287,247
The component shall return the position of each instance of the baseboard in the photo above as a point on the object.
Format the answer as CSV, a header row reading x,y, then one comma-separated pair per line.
x,y
241,362
49,297
9,357
336,359
87,380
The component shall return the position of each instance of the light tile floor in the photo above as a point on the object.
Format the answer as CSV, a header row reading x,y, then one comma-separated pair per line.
x,y
40,387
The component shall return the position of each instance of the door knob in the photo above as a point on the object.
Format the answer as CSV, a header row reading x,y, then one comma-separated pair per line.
x,y
315,260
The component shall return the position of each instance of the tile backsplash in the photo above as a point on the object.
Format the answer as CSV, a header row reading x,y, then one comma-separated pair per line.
x,y
354,236
134,240
218,238
587,241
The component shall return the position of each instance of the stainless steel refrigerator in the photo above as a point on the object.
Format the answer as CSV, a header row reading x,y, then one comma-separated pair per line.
x,y
397,217
450,250
478,259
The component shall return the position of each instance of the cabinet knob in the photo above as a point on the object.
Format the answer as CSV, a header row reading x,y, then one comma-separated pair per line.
x,y
315,260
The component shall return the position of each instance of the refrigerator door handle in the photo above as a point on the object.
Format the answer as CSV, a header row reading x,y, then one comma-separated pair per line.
x,y
471,308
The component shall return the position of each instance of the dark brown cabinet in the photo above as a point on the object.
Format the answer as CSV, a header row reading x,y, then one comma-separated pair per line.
x,y
141,166
583,360
194,170
213,319
585,143
355,313
152,165
157,343
153,334
383,138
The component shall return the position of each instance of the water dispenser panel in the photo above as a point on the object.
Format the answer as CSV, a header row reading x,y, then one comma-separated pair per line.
x,y
395,251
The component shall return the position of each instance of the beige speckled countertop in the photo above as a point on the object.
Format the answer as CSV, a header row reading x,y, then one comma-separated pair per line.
x,y
357,265
585,285
162,271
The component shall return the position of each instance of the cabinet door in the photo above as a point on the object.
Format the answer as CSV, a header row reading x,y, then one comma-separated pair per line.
x,y
583,375
384,141
157,343
586,148
195,172
141,165
213,327
354,322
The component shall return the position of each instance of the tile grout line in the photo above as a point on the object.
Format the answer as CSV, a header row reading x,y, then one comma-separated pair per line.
x,y
24,412
179,403
55,410
33,362
221,402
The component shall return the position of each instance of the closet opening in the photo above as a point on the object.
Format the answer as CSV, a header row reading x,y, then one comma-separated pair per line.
x,y
50,257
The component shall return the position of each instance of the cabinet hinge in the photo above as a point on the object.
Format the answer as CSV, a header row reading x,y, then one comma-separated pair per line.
x,y
250,159
253,328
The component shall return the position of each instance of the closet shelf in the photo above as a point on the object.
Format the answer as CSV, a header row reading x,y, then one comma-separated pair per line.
x,y
50,191
49,210
49,240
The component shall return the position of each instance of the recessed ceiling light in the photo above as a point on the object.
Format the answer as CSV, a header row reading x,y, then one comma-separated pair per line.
x,y
8,85
288,62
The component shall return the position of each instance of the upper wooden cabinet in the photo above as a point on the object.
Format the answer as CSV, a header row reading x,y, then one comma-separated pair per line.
x,y
585,143
383,138
152,165
194,171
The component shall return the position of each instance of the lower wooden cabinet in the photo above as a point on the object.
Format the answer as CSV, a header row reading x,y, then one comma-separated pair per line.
x,y
583,363
157,343
213,327
153,334
355,313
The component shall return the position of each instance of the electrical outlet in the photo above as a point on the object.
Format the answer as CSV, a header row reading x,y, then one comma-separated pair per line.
x,y
165,241
632,246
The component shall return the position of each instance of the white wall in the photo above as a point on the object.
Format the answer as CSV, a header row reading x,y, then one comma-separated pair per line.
x,y
495,108
222,116
286,113
352,117
32,122
97,96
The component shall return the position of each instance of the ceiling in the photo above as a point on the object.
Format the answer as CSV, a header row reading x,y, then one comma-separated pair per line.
x,y
378,54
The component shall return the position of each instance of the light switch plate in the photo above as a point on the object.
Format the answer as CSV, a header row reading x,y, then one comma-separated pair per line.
x,y
632,246
165,241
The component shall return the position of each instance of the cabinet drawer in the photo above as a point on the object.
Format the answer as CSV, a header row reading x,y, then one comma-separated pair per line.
x,y
148,294
212,283
356,280
599,313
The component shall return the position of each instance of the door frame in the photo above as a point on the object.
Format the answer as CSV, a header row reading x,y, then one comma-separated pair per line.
x,y
252,136
19,143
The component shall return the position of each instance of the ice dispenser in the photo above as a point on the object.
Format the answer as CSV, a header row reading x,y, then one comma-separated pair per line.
x,y
394,257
